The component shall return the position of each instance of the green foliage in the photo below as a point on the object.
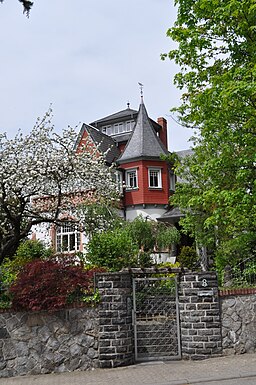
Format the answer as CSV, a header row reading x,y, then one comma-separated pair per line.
x,y
112,249
141,232
216,51
5,300
130,245
241,275
169,265
151,235
188,257
166,236
28,251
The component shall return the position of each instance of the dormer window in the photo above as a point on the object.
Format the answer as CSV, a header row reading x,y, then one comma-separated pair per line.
x,y
131,179
129,125
118,128
154,178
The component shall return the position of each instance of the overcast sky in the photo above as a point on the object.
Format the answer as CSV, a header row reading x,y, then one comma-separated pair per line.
x,y
86,57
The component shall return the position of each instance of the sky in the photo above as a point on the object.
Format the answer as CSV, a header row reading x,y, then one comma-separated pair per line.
x,y
85,59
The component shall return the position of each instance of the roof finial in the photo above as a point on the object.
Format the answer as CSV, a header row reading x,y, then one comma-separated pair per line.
x,y
141,90
128,105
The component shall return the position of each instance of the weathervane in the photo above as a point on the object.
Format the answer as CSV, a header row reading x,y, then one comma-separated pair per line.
x,y
141,89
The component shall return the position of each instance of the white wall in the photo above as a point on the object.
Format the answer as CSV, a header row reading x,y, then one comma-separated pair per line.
x,y
151,212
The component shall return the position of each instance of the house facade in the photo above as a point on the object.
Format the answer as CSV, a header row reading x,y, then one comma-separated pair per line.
x,y
135,144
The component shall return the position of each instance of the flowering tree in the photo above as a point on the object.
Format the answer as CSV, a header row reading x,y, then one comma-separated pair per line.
x,y
43,179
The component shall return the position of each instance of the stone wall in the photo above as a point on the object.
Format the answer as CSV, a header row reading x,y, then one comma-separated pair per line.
x,y
199,316
238,315
83,338
34,343
116,346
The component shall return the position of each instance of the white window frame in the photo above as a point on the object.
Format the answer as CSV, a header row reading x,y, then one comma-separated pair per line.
x,y
129,125
68,238
158,174
128,173
118,128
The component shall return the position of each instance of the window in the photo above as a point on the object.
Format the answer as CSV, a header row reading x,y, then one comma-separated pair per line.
x,y
131,179
172,181
129,125
67,238
118,128
106,130
154,177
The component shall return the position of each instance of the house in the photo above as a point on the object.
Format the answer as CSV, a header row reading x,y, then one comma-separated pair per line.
x,y
135,144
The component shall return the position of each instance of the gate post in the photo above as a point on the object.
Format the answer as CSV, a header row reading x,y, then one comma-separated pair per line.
x,y
115,320
199,315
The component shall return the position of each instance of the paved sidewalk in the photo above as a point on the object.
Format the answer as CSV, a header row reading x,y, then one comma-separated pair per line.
x,y
153,373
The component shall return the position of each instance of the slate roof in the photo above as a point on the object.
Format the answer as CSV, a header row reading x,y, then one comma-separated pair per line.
x,y
144,142
172,215
126,114
105,142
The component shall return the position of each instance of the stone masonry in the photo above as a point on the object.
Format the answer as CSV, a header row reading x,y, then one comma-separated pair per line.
x,y
34,343
83,338
238,314
199,316
115,311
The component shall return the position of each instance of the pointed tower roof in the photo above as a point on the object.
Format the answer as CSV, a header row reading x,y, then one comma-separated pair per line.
x,y
144,142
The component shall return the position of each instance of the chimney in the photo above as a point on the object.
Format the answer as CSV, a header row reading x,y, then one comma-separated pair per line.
x,y
163,132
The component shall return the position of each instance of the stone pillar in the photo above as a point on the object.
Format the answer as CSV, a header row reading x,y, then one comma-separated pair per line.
x,y
115,320
199,315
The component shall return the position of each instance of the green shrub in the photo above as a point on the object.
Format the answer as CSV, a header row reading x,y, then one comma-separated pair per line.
x,y
112,250
188,257
27,251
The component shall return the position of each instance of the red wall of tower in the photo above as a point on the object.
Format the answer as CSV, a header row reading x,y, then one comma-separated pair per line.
x,y
144,194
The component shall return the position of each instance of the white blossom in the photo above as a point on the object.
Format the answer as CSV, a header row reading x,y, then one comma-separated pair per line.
x,y
41,175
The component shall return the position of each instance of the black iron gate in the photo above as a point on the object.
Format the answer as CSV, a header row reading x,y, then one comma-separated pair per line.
x,y
156,319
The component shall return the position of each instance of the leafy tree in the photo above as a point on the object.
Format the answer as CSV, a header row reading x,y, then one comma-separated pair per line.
x,y
43,180
141,232
216,50
166,236
27,5
150,236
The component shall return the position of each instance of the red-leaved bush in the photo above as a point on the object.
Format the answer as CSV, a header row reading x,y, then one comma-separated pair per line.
x,y
51,284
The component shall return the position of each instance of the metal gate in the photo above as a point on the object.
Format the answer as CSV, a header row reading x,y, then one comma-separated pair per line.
x,y
156,319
